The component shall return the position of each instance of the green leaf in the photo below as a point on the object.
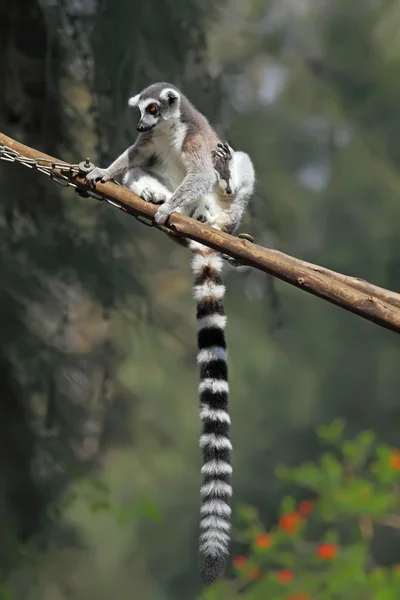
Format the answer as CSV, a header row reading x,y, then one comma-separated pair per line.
x,y
6,593
382,470
246,513
284,559
385,594
366,438
217,591
148,509
331,433
331,467
309,475
288,504
332,537
99,505
349,449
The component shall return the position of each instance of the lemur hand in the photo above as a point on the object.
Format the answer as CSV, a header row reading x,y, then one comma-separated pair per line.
x,y
221,159
97,174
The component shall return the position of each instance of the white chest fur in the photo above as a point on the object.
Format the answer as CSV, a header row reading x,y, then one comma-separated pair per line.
x,y
168,147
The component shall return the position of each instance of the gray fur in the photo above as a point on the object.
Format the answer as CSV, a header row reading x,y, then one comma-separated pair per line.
x,y
178,139
225,206
179,149
178,162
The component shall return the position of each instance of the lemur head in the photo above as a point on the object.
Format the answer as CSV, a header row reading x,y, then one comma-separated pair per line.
x,y
158,103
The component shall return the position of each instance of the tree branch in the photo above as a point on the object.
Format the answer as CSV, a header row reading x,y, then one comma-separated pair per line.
x,y
359,284
354,295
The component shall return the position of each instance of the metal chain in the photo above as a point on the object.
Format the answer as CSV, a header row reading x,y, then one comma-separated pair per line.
x,y
9,155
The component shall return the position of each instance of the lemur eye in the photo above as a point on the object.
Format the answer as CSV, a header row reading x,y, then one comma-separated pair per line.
x,y
152,109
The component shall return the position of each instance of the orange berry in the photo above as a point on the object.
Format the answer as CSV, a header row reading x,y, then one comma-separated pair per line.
x,y
306,507
301,596
254,574
327,551
290,522
239,561
263,540
395,459
285,576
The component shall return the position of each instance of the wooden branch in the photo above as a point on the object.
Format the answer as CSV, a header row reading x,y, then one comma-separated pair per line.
x,y
359,284
354,295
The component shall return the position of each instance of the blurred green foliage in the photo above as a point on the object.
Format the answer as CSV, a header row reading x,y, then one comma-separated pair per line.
x,y
325,546
99,459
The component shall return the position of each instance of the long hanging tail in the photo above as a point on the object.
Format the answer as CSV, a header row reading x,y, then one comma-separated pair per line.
x,y
216,491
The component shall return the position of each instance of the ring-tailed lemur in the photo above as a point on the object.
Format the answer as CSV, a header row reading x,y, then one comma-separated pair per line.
x,y
178,162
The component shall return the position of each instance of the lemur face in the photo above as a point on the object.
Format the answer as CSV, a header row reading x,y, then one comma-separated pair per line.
x,y
156,104
150,114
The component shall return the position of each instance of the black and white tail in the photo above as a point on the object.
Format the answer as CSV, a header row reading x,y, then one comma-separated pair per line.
x,y
216,491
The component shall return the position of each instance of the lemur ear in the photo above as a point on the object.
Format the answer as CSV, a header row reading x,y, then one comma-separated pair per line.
x,y
169,95
133,102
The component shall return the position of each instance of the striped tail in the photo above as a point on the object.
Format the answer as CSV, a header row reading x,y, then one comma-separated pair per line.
x,y
216,491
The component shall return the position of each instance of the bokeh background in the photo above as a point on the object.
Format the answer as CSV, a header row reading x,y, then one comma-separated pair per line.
x,y
99,457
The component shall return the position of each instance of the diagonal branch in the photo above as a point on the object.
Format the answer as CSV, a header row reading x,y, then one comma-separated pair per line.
x,y
354,295
359,284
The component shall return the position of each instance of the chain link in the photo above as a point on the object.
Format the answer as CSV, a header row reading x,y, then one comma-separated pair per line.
x,y
9,155
47,166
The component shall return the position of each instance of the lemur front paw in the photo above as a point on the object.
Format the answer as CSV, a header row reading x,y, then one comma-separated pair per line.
x,y
149,195
221,159
162,214
224,151
95,175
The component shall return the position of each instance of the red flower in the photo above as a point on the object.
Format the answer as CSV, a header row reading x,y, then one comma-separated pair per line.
x,y
239,561
306,507
290,522
254,574
285,576
327,551
299,597
395,459
263,540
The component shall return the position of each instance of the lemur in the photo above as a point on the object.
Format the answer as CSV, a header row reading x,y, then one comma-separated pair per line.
x,y
178,162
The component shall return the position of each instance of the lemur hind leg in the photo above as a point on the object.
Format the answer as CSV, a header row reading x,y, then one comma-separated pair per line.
x,y
152,196
202,212
150,189
145,185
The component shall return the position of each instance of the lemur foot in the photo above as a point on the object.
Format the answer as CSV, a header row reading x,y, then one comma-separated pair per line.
x,y
97,174
221,159
202,215
149,195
